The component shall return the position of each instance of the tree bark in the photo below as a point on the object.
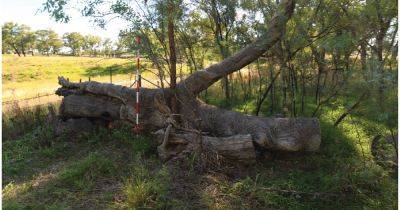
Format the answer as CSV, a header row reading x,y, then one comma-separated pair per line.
x,y
101,101
265,94
172,56
364,58
16,50
222,47
320,60
201,80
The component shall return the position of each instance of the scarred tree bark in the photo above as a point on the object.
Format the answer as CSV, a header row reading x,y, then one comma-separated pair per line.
x,y
113,102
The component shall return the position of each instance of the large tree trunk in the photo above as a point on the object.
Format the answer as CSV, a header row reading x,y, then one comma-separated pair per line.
x,y
110,102
172,54
16,50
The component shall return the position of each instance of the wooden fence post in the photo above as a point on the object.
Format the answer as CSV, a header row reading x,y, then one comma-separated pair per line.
x,y
110,75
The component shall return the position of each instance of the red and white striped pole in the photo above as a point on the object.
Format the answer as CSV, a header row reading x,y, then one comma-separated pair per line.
x,y
137,128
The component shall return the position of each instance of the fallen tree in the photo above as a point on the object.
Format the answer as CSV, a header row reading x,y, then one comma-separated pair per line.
x,y
197,126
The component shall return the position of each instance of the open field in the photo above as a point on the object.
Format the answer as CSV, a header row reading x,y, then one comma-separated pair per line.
x,y
25,77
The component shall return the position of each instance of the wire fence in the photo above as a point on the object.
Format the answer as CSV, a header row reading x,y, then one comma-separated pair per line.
x,y
46,97
50,96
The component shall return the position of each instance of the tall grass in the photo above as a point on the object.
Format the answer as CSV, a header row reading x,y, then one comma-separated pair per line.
x,y
18,121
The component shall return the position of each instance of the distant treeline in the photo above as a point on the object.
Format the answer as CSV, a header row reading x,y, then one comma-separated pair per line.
x,y
21,40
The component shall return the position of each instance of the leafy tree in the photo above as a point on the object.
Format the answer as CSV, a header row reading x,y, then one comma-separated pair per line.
x,y
18,37
48,41
107,45
222,15
56,43
9,34
195,39
91,43
75,41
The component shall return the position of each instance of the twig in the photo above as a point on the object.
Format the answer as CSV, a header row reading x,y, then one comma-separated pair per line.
x,y
294,192
340,119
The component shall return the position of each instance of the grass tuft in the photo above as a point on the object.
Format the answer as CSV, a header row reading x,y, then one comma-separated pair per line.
x,y
83,174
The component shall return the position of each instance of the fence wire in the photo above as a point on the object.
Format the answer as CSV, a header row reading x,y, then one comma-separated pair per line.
x,y
46,97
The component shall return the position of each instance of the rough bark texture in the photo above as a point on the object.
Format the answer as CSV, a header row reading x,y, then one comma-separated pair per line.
x,y
113,102
202,126
237,147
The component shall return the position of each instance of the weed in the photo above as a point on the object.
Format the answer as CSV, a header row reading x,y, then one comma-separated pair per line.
x,y
145,189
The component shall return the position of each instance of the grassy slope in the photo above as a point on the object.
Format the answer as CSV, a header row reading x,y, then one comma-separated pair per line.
x,y
114,169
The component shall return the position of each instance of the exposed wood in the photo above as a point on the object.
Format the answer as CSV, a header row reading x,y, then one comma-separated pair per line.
x,y
162,148
286,134
237,147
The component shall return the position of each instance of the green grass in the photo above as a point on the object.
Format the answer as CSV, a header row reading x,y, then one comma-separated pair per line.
x,y
119,170
69,172
116,169
33,68
25,77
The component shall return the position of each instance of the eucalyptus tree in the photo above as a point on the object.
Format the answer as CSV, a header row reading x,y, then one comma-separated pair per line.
x,y
116,102
107,47
18,37
382,19
195,39
10,35
91,43
75,41
222,15
48,42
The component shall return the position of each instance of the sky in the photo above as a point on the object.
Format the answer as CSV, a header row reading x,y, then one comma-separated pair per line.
x,y
25,12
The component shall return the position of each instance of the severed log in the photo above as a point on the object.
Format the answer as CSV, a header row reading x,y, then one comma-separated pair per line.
x,y
238,147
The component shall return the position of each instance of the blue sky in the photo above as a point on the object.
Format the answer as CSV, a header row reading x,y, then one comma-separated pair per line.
x,y
25,12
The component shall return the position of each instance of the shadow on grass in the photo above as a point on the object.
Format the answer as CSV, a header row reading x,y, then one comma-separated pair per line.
x,y
334,177
124,68
106,70
337,176
99,170
115,169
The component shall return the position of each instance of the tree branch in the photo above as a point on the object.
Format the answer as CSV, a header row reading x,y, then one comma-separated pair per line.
x,y
201,80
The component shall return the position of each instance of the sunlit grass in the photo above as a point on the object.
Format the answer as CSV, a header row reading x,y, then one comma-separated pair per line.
x,y
117,169
25,77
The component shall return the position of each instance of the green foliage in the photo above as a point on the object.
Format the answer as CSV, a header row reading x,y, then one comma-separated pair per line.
x,y
56,10
75,41
47,41
92,43
17,38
